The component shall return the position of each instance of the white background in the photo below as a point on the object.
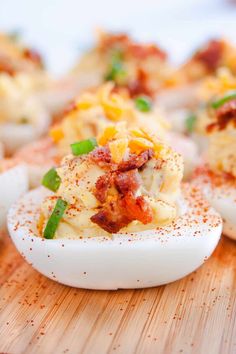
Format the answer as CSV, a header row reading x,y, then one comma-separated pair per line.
x,y
61,29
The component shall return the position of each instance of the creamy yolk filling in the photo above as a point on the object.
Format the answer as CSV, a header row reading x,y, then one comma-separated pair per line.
x,y
15,57
212,89
221,154
18,102
221,131
129,182
215,54
93,111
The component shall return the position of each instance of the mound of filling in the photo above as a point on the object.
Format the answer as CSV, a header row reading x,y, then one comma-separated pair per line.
x,y
22,79
93,110
222,135
207,60
140,68
18,100
126,180
15,57
212,89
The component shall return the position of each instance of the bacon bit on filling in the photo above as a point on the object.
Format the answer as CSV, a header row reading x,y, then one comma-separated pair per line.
x,y
211,55
33,56
140,85
224,115
136,161
126,207
6,67
139,51
101,156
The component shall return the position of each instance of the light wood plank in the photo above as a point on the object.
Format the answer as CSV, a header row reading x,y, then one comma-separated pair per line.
x,y
194,315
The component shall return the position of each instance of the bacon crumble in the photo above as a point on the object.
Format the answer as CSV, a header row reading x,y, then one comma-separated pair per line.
x,y
126,207
123,41
224,115
211,55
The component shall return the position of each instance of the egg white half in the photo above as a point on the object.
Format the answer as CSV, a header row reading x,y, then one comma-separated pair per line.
x,y
13,135
143,259
222,198
13,184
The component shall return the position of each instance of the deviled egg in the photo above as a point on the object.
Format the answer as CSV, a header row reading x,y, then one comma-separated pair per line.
x,y
116,215
185,95
218,177
23,116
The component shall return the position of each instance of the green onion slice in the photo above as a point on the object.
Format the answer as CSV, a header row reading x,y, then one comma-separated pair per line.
x,y
116,71
218,103
143,103
83,147
190,122
51,180
54,219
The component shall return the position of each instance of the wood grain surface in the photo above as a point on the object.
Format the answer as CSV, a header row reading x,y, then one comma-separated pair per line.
x,y
194,315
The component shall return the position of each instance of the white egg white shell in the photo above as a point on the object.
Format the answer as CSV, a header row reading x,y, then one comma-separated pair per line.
x,y
13,184
62,91
13,135
223,199
143,259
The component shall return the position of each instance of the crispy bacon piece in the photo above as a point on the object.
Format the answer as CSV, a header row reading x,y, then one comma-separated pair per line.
x,y
124,42
144,51
135,161
211,55
140,85
102,186
128,181
116,215
111,218
137,208
33,56
123,181
6,67
224,115
126,207
101,156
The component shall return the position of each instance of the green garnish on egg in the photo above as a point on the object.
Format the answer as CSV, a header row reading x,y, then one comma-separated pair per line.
x,y
51,180
116,70
143,103
83,147
190,122
220,102
54,219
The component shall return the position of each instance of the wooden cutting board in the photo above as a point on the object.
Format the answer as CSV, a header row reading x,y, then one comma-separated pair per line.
x,y
194,315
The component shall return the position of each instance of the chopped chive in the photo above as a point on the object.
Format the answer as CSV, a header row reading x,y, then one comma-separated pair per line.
x,y
54,219
51,180
190,122
83,147
143,103
218,103
116,71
